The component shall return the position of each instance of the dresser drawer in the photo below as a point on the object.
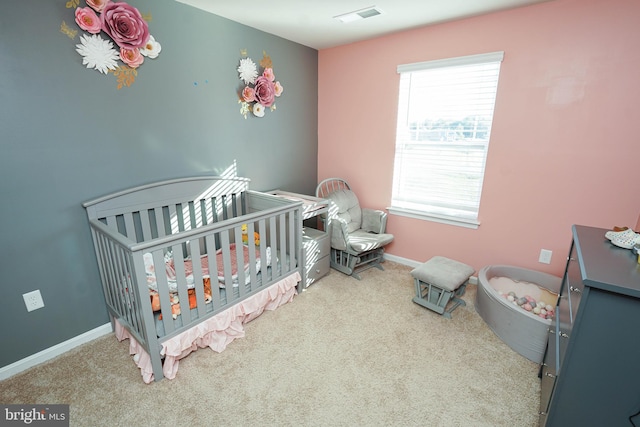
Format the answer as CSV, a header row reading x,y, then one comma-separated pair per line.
x,y
316,243
574,286
562,328
317,270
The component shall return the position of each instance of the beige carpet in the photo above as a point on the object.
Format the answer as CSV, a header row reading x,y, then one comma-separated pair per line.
x,y
344,353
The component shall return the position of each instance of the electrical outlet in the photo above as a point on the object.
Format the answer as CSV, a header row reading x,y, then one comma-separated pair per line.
x,y
545,256
33,300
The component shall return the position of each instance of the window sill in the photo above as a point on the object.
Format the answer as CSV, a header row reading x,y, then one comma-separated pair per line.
x,y
459,222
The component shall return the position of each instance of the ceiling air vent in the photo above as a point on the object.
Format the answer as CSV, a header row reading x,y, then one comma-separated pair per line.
x,y
359,14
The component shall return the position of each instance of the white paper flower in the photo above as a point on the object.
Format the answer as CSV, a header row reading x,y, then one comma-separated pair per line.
x,y
248,71
258,110
98,53
151,49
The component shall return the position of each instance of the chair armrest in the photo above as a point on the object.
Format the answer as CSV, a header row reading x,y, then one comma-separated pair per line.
x,y
374,220
339,234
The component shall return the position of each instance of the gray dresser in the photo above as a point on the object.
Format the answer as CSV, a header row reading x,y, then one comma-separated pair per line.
x,y
315,235
590,374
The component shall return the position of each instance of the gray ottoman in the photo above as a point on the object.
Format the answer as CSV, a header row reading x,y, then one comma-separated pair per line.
x,y
440,281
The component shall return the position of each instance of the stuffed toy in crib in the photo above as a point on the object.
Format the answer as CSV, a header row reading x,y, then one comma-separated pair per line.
x,y
175,301
245,236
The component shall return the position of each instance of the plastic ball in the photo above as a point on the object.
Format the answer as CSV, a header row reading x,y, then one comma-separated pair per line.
x,y
536,310
548,307
511,297
527,306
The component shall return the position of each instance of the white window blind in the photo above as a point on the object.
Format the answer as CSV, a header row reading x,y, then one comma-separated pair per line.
x,y
445,112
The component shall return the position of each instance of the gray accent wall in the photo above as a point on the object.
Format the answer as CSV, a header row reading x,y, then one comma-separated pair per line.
x,y
68,135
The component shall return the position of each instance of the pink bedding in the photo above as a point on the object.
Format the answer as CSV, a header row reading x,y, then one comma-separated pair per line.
x,y
216,332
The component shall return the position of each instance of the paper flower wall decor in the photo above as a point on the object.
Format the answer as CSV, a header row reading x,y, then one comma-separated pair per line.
x,y
259,90
107,23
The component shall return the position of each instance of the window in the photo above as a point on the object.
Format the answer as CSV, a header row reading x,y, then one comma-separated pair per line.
x,y
445,111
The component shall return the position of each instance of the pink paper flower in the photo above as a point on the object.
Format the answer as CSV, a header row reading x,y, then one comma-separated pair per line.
x,y
248,94
265,91
124,24
268,73
98,5
278,89
132,57
87,19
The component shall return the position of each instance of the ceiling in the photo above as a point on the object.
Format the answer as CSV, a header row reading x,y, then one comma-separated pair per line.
x,y
312,23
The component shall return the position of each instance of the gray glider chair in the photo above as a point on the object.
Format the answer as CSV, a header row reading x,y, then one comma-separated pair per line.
x,y
358,234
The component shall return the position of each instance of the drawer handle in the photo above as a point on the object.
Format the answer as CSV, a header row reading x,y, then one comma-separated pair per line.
x,y
574,289
563,335
549,374
317,270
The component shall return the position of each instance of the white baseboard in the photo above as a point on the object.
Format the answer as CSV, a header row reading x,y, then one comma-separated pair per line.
x,y
403,261
51,352
473,280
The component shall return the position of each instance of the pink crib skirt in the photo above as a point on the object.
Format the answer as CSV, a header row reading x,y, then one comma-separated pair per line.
x,y
216,332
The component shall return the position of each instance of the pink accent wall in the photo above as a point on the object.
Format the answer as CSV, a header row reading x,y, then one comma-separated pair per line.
x,y
564,147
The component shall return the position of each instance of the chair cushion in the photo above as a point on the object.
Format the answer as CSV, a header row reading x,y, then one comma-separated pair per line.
x,y
347,208
443,272
361,241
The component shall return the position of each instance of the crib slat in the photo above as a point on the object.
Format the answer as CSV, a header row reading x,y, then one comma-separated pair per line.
x,y
186,215
163,291
160,226
282,229
225,207
215,209
273,239
198,283
292,241
253,273
146,225
240,261
200,219
213,271
181,282
265,261
226,266
173,220
129,228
